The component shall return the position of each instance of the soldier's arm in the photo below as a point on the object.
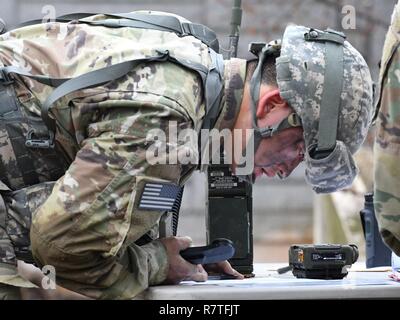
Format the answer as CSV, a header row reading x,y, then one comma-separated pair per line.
x,y
387,157
93,211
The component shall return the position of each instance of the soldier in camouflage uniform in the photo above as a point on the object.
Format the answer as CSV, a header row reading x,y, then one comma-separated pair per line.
x,y
103,147
387,144
88,218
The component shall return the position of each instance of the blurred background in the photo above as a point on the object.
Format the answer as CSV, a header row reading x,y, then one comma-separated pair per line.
x,y
285,212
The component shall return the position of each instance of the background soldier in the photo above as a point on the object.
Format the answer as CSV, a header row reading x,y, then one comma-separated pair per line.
x,y
387,145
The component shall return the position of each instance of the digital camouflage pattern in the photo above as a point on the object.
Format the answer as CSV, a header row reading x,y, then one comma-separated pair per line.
x,y
387,144
88,225
300,75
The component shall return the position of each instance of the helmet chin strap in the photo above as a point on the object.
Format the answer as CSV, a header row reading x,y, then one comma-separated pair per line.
x,y
291,121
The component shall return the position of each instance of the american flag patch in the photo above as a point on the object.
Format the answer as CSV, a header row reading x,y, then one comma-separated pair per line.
x,y
158,196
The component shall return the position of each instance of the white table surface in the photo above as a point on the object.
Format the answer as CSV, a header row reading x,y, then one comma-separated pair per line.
x,y
360,283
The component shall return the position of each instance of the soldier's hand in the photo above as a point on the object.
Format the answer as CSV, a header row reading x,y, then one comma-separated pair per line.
x,y
179,268
223,267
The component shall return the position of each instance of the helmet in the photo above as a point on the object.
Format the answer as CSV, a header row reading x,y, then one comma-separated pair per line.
x,y
328,84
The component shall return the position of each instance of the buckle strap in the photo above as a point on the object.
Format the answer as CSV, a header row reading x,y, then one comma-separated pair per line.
x,y
329,35
39,143
291,121
203,33
146,21
7,70
331,97
92,79
333,82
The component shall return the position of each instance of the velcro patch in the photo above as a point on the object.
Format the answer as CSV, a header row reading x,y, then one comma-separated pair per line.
x,y
158,196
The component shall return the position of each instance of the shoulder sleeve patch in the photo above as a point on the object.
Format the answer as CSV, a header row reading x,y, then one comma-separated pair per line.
x,y
158,196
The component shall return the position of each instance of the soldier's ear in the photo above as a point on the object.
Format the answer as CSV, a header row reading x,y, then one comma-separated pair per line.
x,y
269,100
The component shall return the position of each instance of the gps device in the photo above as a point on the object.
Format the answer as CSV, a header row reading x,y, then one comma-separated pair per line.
x,y
323,261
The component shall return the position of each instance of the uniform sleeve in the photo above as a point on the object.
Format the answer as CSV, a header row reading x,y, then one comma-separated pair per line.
x,y
387,158
93,213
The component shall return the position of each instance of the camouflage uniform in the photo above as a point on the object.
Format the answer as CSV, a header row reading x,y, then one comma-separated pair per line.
x,y
387,145
87,226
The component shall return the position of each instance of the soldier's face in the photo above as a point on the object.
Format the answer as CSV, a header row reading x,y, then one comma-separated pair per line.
x,y
280,154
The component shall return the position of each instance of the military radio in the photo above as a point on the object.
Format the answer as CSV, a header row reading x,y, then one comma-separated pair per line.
x,y
230,208
377,253
324,261
230,215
